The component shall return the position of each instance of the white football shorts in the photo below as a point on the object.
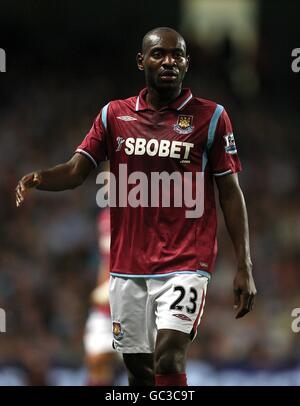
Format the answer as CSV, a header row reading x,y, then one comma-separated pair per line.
x,y
141,306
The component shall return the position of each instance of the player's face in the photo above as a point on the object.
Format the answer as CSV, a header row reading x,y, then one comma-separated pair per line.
x,y
164,61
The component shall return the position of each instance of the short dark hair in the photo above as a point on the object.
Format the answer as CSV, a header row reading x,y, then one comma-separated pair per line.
x,y
158,30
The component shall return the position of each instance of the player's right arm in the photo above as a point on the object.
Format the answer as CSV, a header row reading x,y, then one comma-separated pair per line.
x,y
65,176
73,173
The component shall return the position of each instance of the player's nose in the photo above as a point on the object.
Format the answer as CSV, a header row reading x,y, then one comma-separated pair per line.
x,y
168,60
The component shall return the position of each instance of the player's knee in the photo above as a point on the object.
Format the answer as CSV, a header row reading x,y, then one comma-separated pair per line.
x,y
170,362
170,352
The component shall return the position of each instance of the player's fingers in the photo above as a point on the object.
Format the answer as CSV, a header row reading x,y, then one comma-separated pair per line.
x,y
20,190
243,309
30,181
26,182
36,179
18,193
18,186
251,302
18,201
241,313
237,298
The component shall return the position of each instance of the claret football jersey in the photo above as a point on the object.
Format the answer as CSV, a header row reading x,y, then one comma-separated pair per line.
x,y
156,238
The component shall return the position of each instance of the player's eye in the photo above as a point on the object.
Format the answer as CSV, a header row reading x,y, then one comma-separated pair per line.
x,y
157,54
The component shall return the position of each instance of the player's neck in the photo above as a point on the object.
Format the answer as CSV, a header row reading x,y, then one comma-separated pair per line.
x,y
158,99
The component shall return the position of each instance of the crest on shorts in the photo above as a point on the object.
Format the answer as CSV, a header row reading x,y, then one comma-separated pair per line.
x,y
184,124
182,317
117,330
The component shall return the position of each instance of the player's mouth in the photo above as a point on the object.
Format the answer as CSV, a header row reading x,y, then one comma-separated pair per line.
x,y
168,76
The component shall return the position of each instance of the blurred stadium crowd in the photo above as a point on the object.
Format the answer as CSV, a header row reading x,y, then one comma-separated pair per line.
x,y
49,257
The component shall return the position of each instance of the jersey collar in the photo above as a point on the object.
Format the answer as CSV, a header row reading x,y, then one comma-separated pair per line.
x,y
177,104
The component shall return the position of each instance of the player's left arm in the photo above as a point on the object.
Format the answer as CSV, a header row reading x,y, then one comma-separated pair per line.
x,y
235,214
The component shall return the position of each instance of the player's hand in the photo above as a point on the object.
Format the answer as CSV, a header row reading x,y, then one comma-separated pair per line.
x,y
244,291
30,181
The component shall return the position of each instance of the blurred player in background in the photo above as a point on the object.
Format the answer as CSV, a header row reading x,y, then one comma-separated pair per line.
x,y
161,261
101,359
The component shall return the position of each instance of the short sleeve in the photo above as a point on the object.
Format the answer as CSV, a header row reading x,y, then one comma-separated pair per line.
x,y
223,157
94,145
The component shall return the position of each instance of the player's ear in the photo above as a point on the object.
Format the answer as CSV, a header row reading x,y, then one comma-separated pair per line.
x,y
187,63
140,61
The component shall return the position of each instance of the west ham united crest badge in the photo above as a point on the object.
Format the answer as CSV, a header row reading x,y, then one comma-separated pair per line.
x,y
117,330
184,125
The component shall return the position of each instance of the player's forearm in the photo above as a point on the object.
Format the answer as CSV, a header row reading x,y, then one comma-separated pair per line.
x,y
61,177
58,178
236,219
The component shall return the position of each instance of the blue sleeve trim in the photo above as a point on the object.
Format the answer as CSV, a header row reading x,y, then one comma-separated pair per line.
x,y
211,133
104,116
213,125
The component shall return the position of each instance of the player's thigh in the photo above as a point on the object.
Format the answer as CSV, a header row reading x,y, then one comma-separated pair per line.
x,y
171,351
173,340
180,303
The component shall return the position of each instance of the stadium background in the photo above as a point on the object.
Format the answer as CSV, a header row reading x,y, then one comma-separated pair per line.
x,y
65,59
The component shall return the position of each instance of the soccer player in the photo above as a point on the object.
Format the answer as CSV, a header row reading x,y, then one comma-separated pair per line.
x,y
161,261
101,359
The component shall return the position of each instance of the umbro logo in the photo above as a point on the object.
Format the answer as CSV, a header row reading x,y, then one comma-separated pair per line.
x,y
127,118
182,317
